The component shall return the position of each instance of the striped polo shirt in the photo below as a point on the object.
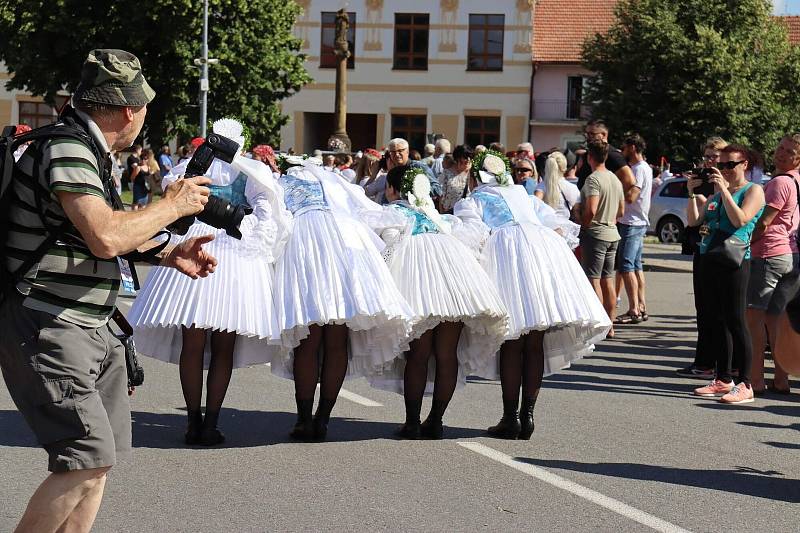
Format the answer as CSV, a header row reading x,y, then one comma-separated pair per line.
x,y
68,282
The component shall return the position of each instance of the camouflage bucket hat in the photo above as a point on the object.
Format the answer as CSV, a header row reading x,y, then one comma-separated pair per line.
x,y
113,77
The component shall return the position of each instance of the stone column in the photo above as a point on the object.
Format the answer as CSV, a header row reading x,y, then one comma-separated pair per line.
x,y
339,141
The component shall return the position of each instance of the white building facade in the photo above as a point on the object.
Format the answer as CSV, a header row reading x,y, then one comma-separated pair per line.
x,y
460,68
20,107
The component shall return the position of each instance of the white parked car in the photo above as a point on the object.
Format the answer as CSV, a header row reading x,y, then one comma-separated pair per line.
x,y
668,210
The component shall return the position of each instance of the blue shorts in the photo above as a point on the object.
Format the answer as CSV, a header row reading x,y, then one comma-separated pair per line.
x,y
629,254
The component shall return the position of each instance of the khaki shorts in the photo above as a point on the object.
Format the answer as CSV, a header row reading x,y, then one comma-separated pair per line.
x,y
598,257
70,384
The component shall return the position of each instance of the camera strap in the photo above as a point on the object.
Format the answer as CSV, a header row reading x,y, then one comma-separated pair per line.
x,y
122,322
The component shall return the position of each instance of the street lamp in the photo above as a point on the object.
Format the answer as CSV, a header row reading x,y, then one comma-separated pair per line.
x,y
203,63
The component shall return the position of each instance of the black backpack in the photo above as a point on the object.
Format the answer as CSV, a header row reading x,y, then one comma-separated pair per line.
x,y
66,127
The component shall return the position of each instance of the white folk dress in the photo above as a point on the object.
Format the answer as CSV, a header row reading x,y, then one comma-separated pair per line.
x,y
332,272
238,296
443,282
540,282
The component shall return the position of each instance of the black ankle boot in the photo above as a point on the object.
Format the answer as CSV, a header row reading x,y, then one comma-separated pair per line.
x,y
193,428
433,428
303,429
210,435
526,418
411,429
509,426
322,417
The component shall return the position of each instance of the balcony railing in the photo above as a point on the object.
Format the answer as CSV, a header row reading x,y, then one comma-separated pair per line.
x,y
547,109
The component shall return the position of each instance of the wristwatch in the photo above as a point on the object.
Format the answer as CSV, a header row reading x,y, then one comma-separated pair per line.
x,y
692,195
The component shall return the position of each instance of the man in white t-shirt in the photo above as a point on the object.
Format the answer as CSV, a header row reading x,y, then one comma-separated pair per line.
x,y
632,228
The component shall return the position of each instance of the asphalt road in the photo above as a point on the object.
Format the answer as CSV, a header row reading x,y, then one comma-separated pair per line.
x,y
620,445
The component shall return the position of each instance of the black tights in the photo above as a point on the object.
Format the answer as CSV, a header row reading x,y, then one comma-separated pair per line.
x,y
334,364
522,366
725,297
442,341
219,371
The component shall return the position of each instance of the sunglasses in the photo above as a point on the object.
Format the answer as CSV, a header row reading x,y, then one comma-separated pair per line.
x,y
522,169
730,165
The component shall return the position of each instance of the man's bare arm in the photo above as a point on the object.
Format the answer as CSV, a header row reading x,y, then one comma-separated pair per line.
x,y
110,233
764,222
589,210
632,194
625,175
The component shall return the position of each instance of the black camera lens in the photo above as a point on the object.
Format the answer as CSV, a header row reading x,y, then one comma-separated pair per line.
x,y
221,214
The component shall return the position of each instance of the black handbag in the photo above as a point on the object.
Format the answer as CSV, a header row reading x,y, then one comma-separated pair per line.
x,y
726,251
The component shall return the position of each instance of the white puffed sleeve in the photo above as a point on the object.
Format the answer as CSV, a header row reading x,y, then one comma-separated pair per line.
x,y
266,230
546,214
384,219
472,231
174,173
391,225
558,223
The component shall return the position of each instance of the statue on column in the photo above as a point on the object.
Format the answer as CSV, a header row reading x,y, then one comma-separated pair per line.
x,y
339,141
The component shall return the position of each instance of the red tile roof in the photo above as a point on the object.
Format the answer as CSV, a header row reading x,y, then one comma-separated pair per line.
x,y
561,26
793,28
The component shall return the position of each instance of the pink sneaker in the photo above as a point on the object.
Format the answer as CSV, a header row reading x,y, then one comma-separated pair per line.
x,y
715,388
741,393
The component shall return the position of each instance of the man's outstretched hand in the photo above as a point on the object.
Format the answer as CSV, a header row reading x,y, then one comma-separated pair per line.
x,y
189,258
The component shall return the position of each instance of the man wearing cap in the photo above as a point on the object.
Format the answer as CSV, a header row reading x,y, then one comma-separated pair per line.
x,y
62,365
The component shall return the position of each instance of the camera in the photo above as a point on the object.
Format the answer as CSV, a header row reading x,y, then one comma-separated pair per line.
x,y
132,366
704,174
218,212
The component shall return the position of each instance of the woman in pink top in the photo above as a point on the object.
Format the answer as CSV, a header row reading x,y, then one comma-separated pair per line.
x,y
774,278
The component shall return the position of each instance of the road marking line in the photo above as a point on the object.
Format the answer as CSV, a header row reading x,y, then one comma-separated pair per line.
x,y
357,398
579,490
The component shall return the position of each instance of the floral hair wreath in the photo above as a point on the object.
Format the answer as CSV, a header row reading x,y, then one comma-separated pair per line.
x,y
286,161
416,186
491,166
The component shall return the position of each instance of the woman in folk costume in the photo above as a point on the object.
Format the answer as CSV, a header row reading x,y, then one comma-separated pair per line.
x,y
555,316
225,320
336,303
463,321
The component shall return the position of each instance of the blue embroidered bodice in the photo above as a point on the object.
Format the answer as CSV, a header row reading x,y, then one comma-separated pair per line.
x,y
233,192
496,212
422,224
302,195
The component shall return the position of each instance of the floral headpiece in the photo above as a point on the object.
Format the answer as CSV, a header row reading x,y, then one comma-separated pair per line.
x,y
490,167
263,151
286,161
416,188
372,152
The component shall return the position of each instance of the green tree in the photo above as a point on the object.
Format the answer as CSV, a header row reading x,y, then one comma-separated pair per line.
x,y
44,42
679,71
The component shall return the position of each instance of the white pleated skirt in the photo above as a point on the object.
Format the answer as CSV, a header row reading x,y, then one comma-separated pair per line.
x,y
237,298
544,288
332,273
443,282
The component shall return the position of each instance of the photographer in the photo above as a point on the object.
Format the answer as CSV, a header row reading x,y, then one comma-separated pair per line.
x,y
62,365
727,222
704,361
